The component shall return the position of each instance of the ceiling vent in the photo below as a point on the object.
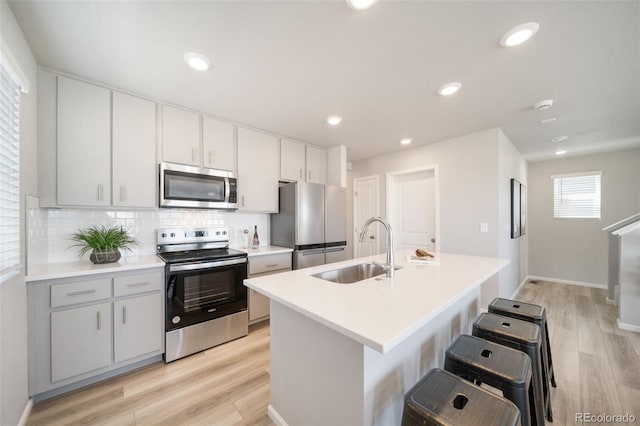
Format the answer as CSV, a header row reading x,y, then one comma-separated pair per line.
x,y
546,104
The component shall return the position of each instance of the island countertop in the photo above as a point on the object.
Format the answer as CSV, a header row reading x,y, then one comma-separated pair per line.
x,y
380,312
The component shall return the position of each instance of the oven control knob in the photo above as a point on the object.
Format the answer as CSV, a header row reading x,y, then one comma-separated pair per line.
x,y
173,234
217,232
163,235
224,232
175,319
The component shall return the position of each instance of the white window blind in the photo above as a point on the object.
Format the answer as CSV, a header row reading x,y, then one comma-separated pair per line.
x,y
9,172
576,195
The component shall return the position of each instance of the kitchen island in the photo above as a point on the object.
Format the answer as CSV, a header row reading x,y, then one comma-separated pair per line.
x,y
345,354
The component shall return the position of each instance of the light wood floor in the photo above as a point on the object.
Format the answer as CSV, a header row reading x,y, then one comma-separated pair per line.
x,y
597,368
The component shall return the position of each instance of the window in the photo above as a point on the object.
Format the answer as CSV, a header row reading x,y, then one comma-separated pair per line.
x,y
9,173
576,195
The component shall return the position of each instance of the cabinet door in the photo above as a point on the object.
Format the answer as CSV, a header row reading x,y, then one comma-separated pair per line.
x,y
258,171
180,136
258,306
292,160
316,164
80,340
138,326
134,152
84,144
218,145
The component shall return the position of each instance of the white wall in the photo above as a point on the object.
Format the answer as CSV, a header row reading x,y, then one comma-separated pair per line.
x,y
576,249
13,304
475,172
512,165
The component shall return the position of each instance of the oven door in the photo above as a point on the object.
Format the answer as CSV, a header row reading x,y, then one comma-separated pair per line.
x,y
198,292
188,186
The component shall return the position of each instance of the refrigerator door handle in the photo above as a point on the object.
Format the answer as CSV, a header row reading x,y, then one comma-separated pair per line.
x,y
311,252
329,250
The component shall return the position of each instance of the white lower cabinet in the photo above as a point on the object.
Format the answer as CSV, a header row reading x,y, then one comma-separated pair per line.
x,y
262,265
80,340
88,326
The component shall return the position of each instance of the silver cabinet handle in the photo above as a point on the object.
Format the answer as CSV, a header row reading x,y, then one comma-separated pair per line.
x,y
193,154
79,292
210,157
272,265
99,320
300,173
137,284
243,201
99,192
123,193
124,314
309,174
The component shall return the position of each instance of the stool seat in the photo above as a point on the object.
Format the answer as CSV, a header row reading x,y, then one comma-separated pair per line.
x,y
441,398
532,313
506,369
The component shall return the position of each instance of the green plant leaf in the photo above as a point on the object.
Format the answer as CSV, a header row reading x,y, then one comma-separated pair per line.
x,y
101,238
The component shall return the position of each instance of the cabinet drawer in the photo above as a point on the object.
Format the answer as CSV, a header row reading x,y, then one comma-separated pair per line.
x,y
268,263
137,283
80,292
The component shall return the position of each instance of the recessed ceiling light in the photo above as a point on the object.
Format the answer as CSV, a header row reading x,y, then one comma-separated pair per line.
x,y
334,120
197,61
360,4
449,89
519,34
548,120
559,138
406,141
542,105
561,152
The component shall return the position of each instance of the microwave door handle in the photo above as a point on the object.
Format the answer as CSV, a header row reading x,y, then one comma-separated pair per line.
x,y
227,190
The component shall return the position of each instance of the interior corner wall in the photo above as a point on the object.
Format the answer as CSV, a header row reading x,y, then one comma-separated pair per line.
x,y
576,249
511,165
468,172
13,300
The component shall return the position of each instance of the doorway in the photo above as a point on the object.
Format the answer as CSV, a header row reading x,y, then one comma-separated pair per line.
x,y
365,205
413,208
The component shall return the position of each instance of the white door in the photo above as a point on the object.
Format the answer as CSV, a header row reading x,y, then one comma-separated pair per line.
x,y
180,136
316,165
365,205
411,207
292,157
218,144
135,326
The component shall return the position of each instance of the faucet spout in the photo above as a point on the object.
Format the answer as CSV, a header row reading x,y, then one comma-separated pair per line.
x,y
390,265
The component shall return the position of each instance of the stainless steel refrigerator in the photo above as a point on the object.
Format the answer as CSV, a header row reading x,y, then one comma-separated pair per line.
x,y
311,221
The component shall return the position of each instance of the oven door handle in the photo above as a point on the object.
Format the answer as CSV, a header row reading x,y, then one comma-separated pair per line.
x,y
205,265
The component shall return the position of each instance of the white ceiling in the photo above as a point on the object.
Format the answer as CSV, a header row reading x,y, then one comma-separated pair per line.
x,y
284,66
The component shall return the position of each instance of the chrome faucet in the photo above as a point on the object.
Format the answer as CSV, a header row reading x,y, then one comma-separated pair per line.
x,y
390,265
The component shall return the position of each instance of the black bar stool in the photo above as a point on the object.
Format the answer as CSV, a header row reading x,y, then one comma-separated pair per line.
x,y
532,313
509,370
441,398
525,337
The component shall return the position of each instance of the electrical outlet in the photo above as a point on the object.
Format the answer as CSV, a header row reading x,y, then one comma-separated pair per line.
x,y
484,227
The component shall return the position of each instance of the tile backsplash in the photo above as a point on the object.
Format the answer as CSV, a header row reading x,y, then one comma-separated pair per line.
x,y
50,230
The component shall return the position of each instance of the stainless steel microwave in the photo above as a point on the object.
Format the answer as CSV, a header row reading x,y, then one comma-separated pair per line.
x,y
196,187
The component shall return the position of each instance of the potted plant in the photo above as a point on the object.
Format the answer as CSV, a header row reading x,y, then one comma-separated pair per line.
x,y
103,242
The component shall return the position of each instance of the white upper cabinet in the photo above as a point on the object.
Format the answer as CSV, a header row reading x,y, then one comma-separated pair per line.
x,y
292,160
316,164
84,144
258,171
180,136
301,162
218,146
134,151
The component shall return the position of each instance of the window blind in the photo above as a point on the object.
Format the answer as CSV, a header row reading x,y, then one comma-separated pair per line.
x,y
576,195
9,172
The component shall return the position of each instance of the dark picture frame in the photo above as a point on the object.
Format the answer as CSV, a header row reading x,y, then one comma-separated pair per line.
x,y
523,209
515,208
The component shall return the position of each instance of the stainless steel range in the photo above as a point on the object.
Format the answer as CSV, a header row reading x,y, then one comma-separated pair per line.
x,y
206,300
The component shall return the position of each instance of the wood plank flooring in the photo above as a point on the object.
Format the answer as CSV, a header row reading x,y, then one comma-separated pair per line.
x,y
597,368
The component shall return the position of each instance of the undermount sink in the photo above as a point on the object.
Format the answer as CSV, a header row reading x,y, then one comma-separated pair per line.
x,y
352,274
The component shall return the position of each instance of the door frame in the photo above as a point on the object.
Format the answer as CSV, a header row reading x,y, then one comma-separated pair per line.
x,y
356,241
436,190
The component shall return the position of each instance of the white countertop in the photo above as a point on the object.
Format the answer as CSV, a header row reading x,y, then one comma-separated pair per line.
x,y
380,313
50,271
263,250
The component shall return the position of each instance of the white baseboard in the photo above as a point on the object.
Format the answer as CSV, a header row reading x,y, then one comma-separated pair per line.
x,y
513,296
630,327
611,302
561,281
275,416
25,413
